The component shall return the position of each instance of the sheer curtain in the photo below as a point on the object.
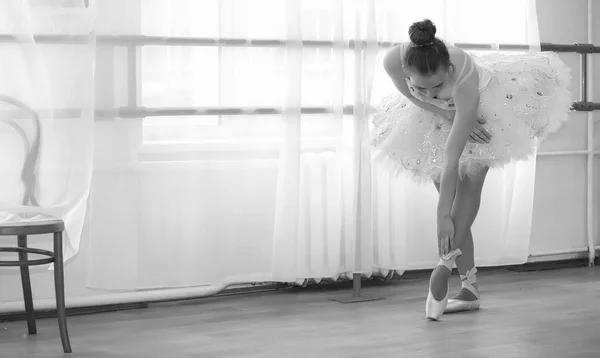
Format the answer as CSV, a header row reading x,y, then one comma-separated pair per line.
x,y
251,162
335,216
323,213
55,81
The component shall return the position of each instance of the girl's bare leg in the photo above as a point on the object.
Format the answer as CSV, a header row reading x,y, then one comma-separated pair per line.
x,y
464,211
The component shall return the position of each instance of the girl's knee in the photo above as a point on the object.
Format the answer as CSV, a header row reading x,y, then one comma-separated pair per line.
x,y
464,212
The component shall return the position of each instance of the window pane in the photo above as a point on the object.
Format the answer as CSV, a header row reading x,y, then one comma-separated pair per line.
x,y
318,19
174,76
486,29
265,127
322,126
327,77
180,76
253,76
264,130
256,19
393,19
58,3
180,18
201,18
179,129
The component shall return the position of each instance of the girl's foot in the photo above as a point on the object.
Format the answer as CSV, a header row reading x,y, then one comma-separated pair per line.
x,y
437,298
468,299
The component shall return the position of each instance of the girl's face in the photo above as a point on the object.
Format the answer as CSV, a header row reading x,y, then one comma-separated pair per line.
x,y
429,85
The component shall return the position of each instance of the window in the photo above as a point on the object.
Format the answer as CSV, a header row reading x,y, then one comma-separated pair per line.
x,y
250,76
228,56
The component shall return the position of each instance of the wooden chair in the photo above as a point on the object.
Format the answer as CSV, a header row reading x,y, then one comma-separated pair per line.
x,y
29,223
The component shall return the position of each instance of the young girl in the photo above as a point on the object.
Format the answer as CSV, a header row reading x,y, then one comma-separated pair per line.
x,y
455,117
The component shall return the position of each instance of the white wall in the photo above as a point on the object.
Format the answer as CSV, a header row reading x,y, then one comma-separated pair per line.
x,y
559,220
560,183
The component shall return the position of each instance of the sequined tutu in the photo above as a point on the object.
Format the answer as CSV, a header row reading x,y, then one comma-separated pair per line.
x,y
525,97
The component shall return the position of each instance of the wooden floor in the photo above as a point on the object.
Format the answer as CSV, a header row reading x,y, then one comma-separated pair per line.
x,y
534,314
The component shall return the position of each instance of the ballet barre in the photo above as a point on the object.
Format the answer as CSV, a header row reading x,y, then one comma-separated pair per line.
x,y
146,112
133,42
583,50
146,40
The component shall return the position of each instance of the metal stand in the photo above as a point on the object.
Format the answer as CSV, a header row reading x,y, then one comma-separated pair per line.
x,y
356,296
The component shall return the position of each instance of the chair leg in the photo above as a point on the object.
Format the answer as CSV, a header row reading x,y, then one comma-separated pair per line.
x,y
59,286
26,283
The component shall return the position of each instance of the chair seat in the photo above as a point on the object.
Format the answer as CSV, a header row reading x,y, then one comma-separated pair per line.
x,y
29,223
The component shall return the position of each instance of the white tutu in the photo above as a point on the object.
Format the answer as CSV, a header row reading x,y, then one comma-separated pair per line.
x,y
526,97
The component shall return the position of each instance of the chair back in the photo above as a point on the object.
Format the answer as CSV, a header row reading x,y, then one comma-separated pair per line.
x,y
26,122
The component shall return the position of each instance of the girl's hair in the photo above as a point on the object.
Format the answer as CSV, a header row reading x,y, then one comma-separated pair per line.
x,y
426,53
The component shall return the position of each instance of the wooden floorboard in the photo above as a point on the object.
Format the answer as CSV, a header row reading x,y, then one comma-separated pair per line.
x,y
524,314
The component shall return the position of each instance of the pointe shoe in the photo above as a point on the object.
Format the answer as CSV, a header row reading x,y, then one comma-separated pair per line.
x,y
456,305
434,309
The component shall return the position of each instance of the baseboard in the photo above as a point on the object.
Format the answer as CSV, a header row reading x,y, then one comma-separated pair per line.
x,y
549,265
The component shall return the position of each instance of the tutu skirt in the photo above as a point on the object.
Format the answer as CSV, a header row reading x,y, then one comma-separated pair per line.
x,y
524,98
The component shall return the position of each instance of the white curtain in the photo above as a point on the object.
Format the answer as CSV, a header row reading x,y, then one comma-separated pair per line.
x,y
55,80
335,216
275,184
323,213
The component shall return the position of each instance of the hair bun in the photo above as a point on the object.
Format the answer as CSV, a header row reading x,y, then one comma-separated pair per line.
x,y
422,33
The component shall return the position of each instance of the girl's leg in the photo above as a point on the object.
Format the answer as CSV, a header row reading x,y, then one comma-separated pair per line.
x,y
464,211
467,270
466,207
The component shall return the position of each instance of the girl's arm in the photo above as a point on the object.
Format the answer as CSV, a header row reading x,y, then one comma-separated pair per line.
x,y
393,66
466,100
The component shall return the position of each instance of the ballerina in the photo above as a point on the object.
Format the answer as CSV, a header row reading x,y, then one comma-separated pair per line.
x,y
456,116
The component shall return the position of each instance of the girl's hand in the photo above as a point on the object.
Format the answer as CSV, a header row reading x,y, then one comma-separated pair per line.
x,y
480,134
445,235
